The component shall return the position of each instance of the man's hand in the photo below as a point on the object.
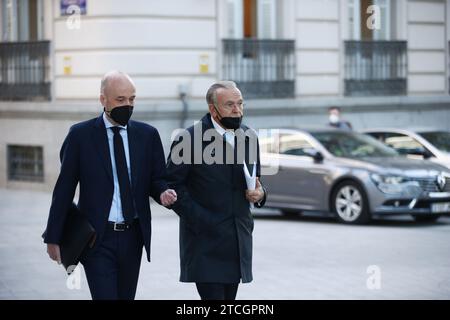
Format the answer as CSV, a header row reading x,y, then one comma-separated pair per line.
x,y
255,195
168,197
54,252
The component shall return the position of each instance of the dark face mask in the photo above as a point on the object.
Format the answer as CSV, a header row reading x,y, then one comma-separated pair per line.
x,y
230,122
121,114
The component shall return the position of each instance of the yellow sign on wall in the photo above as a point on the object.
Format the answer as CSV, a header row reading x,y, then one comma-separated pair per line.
x,y
204,63
67,64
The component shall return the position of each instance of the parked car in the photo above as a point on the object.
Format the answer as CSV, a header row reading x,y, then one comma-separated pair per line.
x,y
350,175
430,144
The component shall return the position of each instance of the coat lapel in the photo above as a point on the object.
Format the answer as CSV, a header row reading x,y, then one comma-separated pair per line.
x,y
101,141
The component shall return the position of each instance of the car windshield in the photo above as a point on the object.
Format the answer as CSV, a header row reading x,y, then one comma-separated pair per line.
x,y
353,145
440,139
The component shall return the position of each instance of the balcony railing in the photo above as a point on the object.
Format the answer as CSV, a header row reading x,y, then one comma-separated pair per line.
x,y
24,70
260,68
374,68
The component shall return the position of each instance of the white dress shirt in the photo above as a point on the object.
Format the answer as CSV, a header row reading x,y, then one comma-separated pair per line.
x,y
115,213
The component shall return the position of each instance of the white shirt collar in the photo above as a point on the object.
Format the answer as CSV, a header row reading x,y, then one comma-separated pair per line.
x,y
108,123
219,128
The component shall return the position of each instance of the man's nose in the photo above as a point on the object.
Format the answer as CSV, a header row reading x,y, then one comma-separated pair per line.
x,y
236,108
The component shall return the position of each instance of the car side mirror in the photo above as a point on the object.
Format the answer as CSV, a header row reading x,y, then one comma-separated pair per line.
x,y
315,154
426,154
318,157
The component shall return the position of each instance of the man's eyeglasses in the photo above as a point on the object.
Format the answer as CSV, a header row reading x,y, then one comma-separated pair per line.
x,y
230,105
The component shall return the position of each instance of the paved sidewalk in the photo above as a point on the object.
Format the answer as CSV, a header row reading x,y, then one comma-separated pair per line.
x,y
304,258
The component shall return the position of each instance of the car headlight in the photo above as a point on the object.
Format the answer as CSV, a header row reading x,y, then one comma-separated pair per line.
x,y
387,179
389,184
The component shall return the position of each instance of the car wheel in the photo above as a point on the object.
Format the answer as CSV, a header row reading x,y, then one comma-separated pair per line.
x,y
423,218
290,213
349,203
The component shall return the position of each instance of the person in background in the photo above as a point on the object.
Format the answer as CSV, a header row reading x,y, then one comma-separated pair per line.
x,y
335,120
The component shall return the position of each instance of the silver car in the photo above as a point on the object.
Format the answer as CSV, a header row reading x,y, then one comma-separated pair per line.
x,y
350,175
427,143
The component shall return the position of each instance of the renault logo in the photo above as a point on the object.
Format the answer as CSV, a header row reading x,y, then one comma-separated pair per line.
x,y
441,181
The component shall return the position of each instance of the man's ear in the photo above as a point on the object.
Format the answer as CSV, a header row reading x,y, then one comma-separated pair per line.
x,y
103,100
212,110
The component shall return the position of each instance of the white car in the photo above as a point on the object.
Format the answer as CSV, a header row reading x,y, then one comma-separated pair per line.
x,y
430,144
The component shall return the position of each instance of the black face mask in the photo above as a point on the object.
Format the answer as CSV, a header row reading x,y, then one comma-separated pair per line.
x,y
121,114
230,122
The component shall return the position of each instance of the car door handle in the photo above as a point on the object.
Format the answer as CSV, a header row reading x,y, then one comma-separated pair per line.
x,y
317,171
270,166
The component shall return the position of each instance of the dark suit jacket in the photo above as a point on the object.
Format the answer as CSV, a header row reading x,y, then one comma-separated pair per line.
x,y
345,125
215,220
85,159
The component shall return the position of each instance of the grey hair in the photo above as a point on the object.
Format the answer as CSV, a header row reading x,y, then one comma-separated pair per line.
x,y
110,76
211,95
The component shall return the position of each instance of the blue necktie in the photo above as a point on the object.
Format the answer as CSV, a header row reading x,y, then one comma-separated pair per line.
x,y
126,196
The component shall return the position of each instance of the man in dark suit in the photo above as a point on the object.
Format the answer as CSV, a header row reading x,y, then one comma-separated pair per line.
x,y
118,163
213,196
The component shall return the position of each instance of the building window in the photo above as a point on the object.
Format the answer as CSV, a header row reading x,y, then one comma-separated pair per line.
x,y
360,13
375,68
260,68
24,56
25,71
375,65
252,19
262,65
22,20
25,163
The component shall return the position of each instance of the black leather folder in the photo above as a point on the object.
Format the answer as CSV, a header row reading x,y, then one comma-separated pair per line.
x,y
77,236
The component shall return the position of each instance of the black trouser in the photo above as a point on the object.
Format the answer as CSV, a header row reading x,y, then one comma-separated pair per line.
x,y
217,291
112,270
